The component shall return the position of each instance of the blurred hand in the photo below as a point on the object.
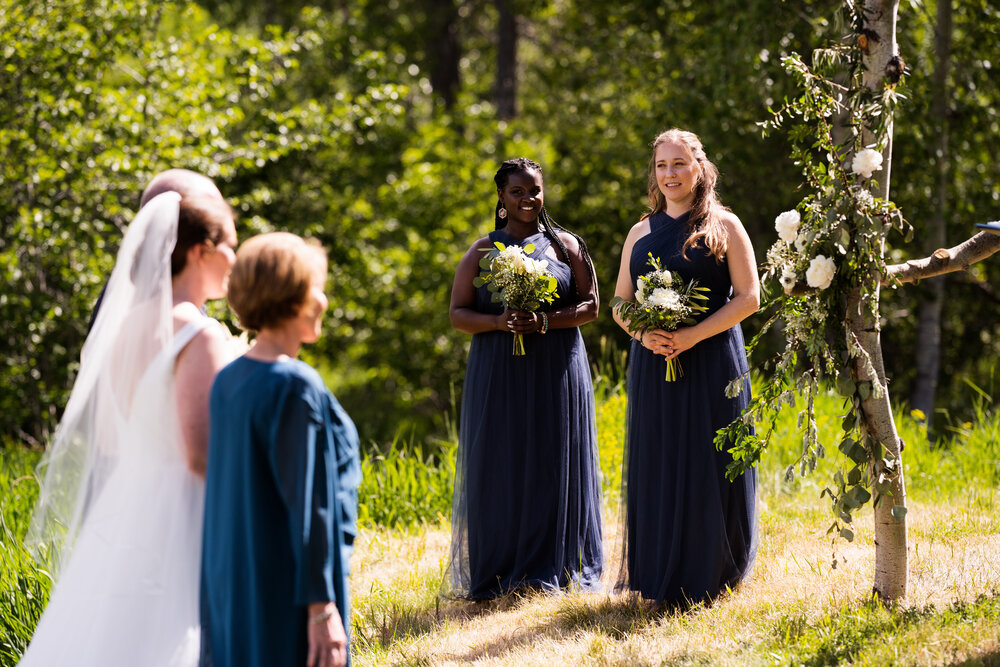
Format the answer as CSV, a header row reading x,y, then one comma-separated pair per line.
x,y
326,636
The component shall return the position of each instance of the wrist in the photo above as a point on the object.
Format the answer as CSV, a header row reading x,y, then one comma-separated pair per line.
x,y
321,617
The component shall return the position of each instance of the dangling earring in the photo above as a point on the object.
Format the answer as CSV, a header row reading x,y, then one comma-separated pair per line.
x,y
502,213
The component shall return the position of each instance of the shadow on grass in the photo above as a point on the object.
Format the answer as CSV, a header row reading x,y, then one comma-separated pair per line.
x,y
616,616
384,626
383,629
988,659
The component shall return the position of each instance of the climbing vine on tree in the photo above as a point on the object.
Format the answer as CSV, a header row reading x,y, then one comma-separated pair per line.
x,y
831,243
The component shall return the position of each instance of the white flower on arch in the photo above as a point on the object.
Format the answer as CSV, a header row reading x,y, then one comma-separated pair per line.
x,y
787,225
866,162
820,272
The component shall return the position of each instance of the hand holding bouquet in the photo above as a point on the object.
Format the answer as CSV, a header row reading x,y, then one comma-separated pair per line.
x,y
516,280
662,301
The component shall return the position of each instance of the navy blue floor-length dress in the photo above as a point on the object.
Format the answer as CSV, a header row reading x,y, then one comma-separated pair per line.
x,y
527,504
689,532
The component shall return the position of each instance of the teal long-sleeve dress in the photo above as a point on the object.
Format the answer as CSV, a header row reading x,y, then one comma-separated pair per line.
x,y
280,512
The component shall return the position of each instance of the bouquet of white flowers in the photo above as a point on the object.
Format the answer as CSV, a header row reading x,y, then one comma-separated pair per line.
x,y
516,280
662,301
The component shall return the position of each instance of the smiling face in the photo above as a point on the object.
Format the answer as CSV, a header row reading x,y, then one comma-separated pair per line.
x,y
522,196
677,174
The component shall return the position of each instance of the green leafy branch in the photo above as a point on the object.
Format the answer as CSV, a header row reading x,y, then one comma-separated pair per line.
x,y
831,245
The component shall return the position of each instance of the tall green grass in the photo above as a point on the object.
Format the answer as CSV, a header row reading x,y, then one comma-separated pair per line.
x,y
24,586
404,486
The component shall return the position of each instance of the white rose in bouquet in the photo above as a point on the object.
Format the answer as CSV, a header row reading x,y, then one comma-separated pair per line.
x,y
820,272
664,298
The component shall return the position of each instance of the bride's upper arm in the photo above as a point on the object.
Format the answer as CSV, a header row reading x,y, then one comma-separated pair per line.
x,y
197,365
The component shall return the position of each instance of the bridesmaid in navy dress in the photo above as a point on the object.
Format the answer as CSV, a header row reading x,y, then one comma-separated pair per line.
x,y
689,532
527,504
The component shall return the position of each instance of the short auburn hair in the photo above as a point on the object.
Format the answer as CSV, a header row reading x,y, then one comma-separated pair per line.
x,y
271,278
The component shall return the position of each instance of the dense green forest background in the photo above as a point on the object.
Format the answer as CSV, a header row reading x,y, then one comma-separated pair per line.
x,y
377,125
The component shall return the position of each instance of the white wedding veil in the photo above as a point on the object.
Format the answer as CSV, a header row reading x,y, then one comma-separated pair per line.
x,y
133,324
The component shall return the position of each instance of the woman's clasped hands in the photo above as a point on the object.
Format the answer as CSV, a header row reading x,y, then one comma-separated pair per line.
x,y
669,343
519,321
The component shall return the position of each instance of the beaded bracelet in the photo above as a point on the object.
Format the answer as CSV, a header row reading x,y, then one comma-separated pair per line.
x,y
545,323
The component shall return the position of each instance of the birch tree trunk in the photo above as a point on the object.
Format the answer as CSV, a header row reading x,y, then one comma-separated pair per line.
x,y
928,355
863,324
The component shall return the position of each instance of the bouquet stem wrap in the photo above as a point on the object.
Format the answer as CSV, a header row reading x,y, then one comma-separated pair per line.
x,y
518,345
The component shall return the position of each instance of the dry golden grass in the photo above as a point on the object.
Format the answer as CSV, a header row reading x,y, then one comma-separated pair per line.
x,y
954,557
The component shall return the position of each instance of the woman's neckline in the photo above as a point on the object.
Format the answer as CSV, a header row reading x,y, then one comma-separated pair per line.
x,y
503,230
683,216
284,359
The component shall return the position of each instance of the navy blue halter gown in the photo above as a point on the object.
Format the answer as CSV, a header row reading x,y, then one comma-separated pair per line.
x,y
689,533
527,504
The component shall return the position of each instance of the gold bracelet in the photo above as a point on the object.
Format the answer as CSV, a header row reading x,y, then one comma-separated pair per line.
x,y
321,617
545,323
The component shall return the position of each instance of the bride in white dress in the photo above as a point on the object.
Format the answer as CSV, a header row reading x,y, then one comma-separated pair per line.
x,y
119,516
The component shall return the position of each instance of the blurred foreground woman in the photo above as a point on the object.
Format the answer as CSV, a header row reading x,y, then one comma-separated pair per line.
x,y
283,472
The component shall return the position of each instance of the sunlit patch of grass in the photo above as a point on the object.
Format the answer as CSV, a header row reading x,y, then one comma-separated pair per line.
x,y
611,444
868,632
396,579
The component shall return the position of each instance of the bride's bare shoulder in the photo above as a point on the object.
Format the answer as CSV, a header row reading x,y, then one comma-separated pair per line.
x,y
184,313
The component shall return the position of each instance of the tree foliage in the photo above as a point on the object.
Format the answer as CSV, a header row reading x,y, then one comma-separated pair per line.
x,y
332,122
96,98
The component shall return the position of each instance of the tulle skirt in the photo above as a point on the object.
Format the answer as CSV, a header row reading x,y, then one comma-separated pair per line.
x,y
527,506
688,531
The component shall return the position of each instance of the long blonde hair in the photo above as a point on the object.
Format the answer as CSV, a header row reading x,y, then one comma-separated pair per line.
x,y
705,220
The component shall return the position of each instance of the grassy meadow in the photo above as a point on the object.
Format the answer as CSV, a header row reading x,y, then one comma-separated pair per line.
x,y
797,608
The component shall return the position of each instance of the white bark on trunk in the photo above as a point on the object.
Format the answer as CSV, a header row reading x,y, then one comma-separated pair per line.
x,y
890,523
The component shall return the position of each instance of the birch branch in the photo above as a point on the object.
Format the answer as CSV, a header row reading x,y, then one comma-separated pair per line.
x,y
959,258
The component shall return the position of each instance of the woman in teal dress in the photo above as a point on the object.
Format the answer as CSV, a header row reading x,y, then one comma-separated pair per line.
x,y
527,503
283,473
689,532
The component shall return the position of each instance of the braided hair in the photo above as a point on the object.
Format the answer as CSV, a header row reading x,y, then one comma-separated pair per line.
x,y
550,227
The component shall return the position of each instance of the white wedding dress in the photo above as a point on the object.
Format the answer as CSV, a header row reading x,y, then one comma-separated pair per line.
x,y
120,514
